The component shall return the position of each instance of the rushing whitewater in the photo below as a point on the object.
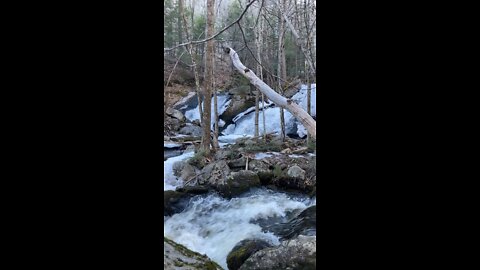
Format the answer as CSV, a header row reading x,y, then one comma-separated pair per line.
x,y
213,225
170,181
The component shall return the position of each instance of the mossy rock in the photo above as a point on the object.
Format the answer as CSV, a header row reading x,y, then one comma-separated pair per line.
x,y
243,250
180,256
238,183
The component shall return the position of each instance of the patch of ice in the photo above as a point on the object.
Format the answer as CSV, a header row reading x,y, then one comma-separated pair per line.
x,y
171,145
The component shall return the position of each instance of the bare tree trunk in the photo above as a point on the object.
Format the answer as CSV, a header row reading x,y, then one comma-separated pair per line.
x,y
207,110
309,98
257,110
281,66
194,64
180,11
295,109
215,143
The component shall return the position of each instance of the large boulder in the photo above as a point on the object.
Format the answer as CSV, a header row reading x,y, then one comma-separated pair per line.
x,y
296,172
298,253
172,125
239,182
176,256
214,174
243,250
262,169
184,170
238,104
187,103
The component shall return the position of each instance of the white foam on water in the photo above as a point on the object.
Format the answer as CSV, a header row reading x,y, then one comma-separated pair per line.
x,y
170,181
213,225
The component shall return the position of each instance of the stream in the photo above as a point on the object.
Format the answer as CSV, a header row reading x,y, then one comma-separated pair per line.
x,y
213,225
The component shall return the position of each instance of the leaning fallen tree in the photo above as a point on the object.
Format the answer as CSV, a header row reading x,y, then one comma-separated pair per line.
x,y
307,121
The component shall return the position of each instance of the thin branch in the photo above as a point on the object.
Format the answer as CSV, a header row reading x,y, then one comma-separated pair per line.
x,y
253,55
170,76
215,35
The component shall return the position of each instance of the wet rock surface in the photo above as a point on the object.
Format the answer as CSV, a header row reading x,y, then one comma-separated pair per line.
x,y
243,250
174,202
303,224
298,253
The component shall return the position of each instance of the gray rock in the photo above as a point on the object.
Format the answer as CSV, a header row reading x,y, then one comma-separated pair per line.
x,y
177,167
237,163
188,172
298,253
296,172
192,130
243,250
214,174
176,114
238,182
176,256
187,103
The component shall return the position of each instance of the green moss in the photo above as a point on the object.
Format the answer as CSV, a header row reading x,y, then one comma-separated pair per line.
x,y
273,146
206,263
198,159
178,264
277,171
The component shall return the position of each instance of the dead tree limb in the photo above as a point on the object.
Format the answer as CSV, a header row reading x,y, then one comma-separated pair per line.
x,y
295,109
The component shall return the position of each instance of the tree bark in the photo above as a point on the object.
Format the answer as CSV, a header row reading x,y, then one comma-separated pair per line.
x,y
295,109
207,109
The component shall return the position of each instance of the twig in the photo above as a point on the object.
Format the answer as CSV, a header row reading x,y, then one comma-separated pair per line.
x,y
193,177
